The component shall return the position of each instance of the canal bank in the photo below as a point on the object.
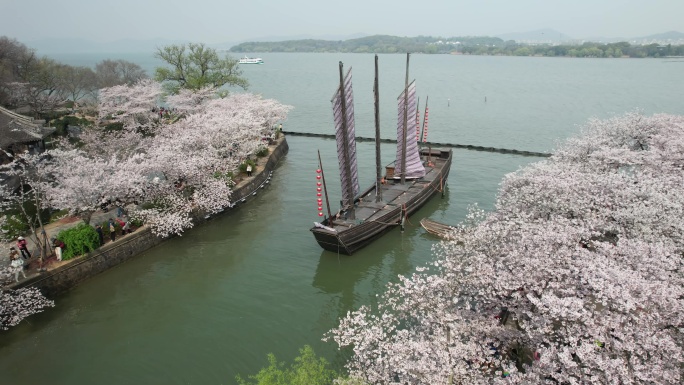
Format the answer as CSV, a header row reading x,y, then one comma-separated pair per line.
x,y
60,277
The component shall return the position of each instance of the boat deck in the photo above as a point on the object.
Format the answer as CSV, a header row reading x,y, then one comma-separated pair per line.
x,y
394,196
372,219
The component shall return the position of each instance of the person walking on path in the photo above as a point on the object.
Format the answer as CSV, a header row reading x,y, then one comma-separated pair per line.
x,y
16,264
100,235
59,247
249,170
112,230
23,247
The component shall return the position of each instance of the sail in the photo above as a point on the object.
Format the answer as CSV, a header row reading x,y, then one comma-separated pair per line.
x,y
425,123
418,121
348,172
414,166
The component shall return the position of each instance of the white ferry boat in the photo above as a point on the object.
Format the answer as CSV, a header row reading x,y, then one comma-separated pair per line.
x,y
251,60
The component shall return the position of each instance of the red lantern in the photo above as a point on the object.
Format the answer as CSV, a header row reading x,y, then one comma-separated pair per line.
x,y
320,214
318,184
320,208
319,194
318,189
318,177
320,200
318,171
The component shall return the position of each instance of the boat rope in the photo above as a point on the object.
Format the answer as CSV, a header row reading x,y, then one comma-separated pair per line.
x,y
406,214
441,185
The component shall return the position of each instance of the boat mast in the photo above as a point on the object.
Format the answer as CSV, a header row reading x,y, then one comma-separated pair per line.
x,y
403,149
378,165
345,143
325,187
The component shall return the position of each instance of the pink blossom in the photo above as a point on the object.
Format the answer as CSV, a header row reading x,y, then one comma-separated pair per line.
x,y
584,253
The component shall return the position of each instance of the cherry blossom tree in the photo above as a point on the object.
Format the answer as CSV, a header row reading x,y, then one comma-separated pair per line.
x,y
176,165
79,182
16,305
32,176
192,153
133,106
576,277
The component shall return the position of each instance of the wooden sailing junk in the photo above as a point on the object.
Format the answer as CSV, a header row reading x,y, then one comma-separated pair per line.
x,y
409,182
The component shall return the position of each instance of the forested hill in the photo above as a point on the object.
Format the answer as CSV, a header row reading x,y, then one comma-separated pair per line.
x,y
371,44
469,45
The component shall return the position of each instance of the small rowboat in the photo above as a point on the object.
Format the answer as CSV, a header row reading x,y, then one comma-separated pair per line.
x,y
439,229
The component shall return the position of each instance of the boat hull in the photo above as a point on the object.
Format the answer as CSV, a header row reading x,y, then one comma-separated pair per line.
x,y
347,236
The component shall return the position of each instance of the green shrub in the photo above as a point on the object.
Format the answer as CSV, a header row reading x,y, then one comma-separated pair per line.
x,y
148,205
78,240
228,177
262,151
117,126
63,122
243,166
307,369
51,115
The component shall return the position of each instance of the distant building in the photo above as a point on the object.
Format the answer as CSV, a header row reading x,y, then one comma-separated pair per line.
x,y
19,134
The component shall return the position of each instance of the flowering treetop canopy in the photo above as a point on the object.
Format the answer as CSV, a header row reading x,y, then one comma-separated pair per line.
x,y
180,160
576,277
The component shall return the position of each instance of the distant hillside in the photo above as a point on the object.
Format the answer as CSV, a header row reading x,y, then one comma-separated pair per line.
x,y
540,36
671,37
306,37
370,44
468,45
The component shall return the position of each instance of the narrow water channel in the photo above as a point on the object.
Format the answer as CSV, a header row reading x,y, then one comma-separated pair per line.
x,y
213,303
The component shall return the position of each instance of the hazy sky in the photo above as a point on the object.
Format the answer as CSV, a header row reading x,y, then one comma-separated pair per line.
x,y
214,21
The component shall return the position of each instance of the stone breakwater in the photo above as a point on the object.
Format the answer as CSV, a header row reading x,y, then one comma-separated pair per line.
x,y
75,271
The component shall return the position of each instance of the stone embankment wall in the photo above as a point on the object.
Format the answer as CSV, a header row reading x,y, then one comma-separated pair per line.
x,y
78,270
63,278
247,188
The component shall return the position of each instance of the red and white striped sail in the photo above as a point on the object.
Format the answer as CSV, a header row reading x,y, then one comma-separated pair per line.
x,y
425,123
414,166
350,140
418,121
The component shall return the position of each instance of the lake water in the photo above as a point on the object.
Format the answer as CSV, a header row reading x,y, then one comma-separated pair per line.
x,y
203,307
